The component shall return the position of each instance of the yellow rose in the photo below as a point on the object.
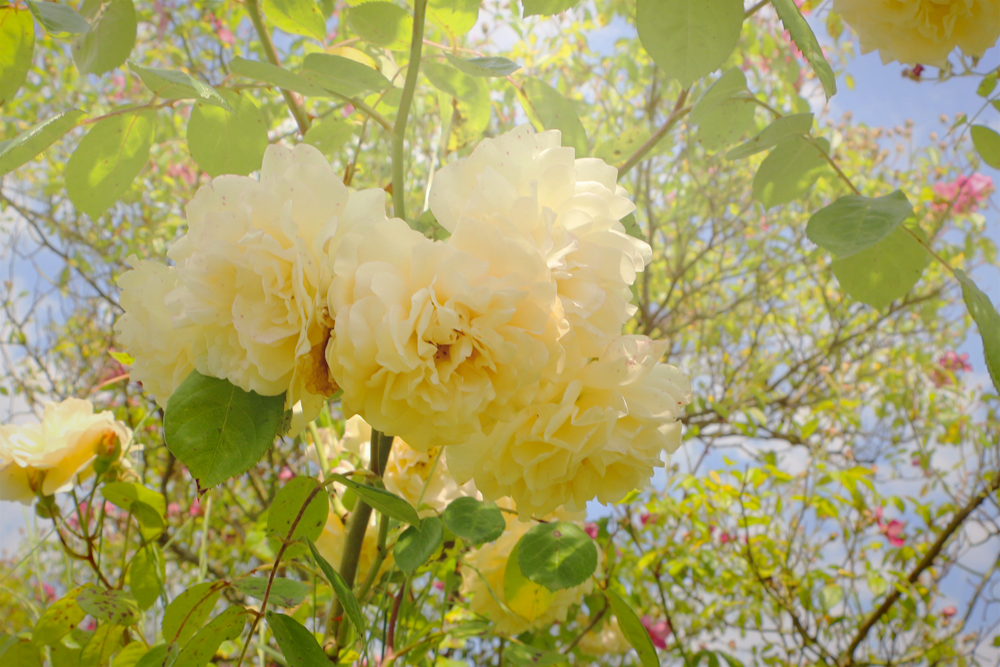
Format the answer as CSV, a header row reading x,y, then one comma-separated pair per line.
x,y
50,457
414,476
922,31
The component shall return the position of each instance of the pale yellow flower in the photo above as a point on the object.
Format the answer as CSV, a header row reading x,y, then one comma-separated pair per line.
x,y
599,434
330,545
567,211
483,579
423,479
606,638
922,31
54,455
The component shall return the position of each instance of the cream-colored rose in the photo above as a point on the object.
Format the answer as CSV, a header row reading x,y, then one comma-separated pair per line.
x,y
330,545
423,479
604,639
162,353
566,211
922,31
598,435
428,342
51,456
483,579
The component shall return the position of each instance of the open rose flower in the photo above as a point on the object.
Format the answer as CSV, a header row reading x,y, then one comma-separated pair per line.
x,y
922,31
423,479
46,458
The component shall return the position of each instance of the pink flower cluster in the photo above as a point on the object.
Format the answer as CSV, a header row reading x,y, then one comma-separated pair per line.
x,y
658,630
952,362
965,193
892,530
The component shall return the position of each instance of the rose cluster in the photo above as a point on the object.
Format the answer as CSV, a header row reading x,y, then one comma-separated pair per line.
x,y
502,344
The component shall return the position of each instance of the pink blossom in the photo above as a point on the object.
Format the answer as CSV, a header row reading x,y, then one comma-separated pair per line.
x,y
285,474
90,625
646,517
591,529
955,362
893,530
439,585
347,110
965,193
195,508
173,509
948,612
658,631
49,592
725,537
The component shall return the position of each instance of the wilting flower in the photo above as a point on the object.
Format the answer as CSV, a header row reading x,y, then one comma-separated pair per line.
x,y
658,630
964,194
922,31
45,458
604,639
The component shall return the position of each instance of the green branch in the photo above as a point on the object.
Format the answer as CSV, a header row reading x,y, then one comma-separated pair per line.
x,y
412,69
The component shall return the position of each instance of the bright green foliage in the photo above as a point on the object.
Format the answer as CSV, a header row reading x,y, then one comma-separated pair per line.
x,y
148,507
342,591
188,611
297,17
384,501
487,66
854,223
418,543
218,430
108,159
130,655
689,38
147,575
557,555
521,655
297,644
115,607
174,85
329,135
549,110
618,149
523,596
342,75
284,592
104,643
382,24
987,143
800,31
633,630
299,510
469,102
227,142
17,43
60,21
27,145
474,520
723,113
546,7
276,76
226,626
782,128
111,37
455,17
58,620
159,655
789,170
988,320
21,653
884,272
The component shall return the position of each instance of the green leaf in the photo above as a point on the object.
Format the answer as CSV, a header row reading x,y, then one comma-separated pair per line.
x,y
546,7
228,142
146,575
58,620
343,591
288,505
218,430
227,626
386,502
329,135
725,123
115,607
876,583
108,159
284,592
186,612
161,655
782,128
176,85
830,596
988,321
58,20
557,555
853,223
789,170
276,76
418,543
731,84
111,36
625,144
884,272
523,655
130,655
382,23
17,44
522,596
987,143
987,85
474,520
342,75
456,17
25,146
105,641
485,67
689,38
148,506
298,17
469,102
297,644
804,38
549,110
21,652
633,630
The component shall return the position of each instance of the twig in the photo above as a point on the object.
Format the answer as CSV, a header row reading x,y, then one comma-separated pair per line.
x,y
399,133
301,118
679,112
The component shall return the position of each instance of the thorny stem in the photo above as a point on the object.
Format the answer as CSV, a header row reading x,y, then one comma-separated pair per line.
x,y
412,69
257,18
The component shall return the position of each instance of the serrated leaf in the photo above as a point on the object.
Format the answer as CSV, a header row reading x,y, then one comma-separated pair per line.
x,y
108,159
633,630
487,67
27,145
386,502
383,24
473,520
111,36
987,143
780,129
148,506
689,38
549,110
218,430
146,575
329,135
58,20
418,543
524,597
546,7
228,142
225,627
557,555
987,319
58,620
342,75
284,592
17,45
298,17
276,76
115,607
804,38
297,644
884,272
186,612
789,170
343,592
176,85
456,17
853,223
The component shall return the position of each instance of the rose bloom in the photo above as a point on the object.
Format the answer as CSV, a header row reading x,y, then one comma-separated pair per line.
x,y
599,435
604,639
330,545
59,452
428,343
531,191
922,31
423,478
252,275
490,560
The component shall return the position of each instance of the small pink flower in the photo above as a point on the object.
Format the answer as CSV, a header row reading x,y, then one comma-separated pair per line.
x,y
285,474
591,529
195,508
646,518
439,585
965,193
225,36
658,631
893,530
90,625
48,592
173,509
948,612
725,537
347,110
